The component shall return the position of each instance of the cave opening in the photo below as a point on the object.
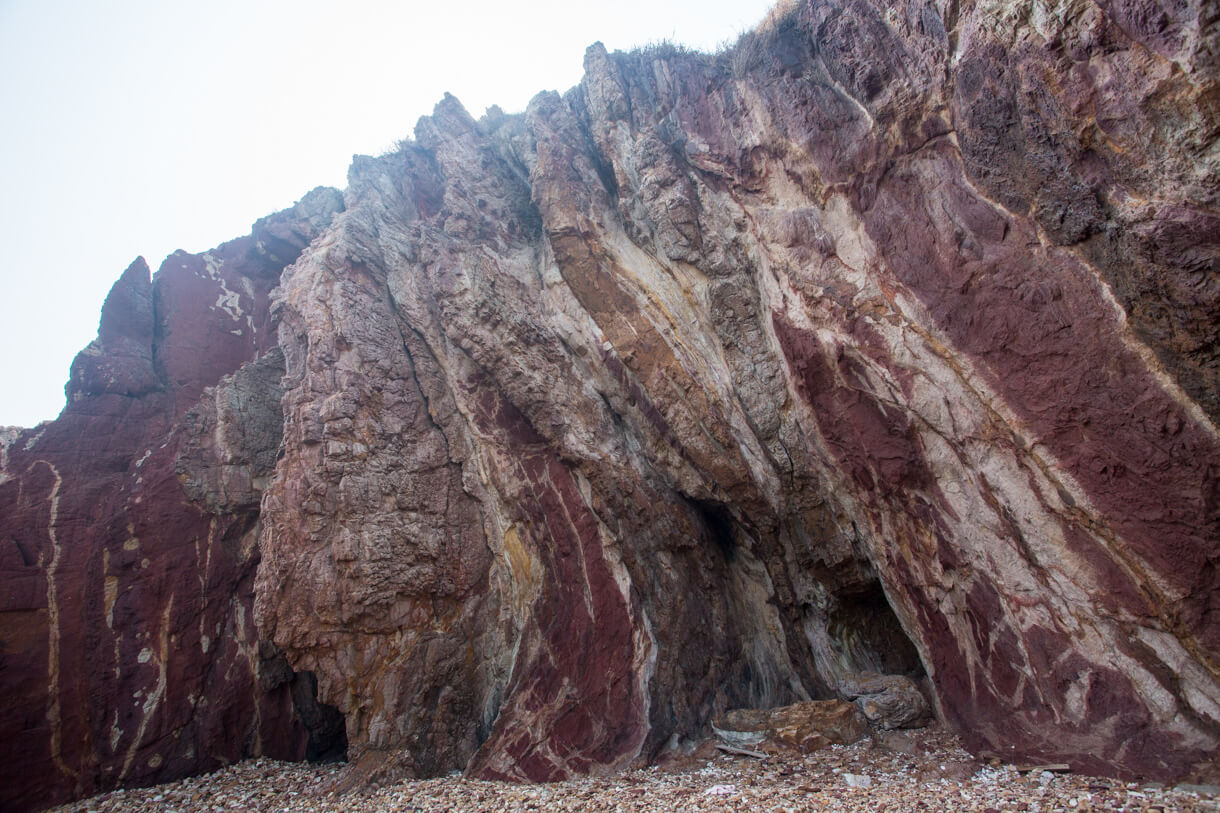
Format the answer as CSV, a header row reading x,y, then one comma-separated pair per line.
x,y
324,724
718,524
864,628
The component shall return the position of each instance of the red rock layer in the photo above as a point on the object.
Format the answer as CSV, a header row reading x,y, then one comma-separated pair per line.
x,y
129,653
884,341
889,300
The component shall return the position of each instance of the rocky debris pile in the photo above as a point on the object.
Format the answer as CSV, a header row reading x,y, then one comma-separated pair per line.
x,y
931,772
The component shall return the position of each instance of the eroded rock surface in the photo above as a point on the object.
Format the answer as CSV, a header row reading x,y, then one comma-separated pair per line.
x,y
653,401
128,653
884,342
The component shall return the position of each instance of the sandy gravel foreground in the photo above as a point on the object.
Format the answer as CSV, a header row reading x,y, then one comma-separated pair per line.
x,y
925,772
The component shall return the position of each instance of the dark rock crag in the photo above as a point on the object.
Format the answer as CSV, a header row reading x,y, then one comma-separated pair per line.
x,y
884,342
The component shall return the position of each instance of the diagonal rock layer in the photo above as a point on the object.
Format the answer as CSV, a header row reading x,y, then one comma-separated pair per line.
x,y
883,342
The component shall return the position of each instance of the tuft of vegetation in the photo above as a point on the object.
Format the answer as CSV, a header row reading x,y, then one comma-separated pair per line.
x,y
665,49
752,49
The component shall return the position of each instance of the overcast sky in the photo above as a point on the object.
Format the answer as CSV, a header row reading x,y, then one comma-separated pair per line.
x,y
138,127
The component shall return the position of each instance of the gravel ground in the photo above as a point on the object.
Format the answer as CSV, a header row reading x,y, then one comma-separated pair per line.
x,y
927,771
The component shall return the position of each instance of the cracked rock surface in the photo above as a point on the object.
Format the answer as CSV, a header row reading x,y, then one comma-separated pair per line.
x,y
882,343
128,652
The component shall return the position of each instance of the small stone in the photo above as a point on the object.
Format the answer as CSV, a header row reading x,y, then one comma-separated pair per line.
x,y
902,742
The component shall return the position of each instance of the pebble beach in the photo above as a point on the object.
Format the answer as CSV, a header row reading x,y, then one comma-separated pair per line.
x,y
913,771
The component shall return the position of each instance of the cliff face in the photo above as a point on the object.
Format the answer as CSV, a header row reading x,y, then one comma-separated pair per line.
x,y
128,652
883,342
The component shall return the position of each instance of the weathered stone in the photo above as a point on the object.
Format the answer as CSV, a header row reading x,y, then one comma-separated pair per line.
x,y
898,740
130,654
888,701
797,335
232,437
883,342
120,360
806,726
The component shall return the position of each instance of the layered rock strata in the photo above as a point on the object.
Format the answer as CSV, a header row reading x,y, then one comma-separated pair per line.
x,y
883,342
631,409
128,536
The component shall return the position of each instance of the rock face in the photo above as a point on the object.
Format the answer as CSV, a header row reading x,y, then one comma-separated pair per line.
x,y
128,536
884,342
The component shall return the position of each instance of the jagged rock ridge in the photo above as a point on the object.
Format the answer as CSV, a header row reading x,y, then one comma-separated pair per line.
x,y
128,538
882,342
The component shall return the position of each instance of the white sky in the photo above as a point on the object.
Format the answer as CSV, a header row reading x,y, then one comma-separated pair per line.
x,y
138,127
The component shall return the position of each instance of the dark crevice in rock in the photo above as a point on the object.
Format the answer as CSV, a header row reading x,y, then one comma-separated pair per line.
x,y
718,524
602,164
864,622
325,723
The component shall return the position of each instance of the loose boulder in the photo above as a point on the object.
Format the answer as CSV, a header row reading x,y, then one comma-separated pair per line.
x,y
888,701
806,726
